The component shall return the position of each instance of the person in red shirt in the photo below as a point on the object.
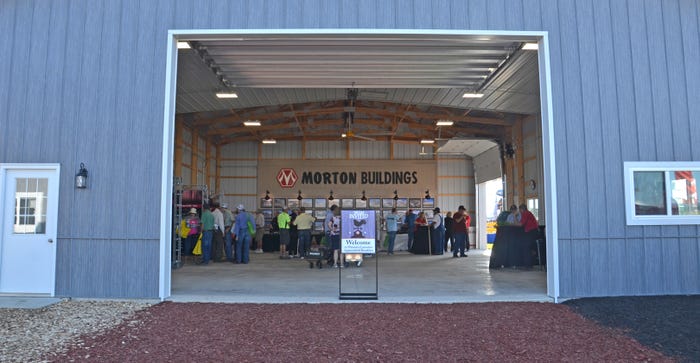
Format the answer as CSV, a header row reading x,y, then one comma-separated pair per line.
x,y
459,231
529,223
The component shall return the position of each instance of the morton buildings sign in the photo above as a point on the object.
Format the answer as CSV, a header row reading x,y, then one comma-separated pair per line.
x,y
347,176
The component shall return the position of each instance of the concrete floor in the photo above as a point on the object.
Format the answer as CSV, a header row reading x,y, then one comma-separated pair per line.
x,y
403,277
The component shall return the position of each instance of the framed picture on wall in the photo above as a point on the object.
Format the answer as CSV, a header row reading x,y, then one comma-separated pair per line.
x,y
359,203
318,226
428,203
320,203
307,203
347,203
334,202
265,203
414,203
388,203
267,213
293,203
320,214
280,203
428,214
375,203
401,203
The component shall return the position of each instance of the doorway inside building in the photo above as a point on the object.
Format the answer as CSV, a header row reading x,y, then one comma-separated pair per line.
x,y
225,154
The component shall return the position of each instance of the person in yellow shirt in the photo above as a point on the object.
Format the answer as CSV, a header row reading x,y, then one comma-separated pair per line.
x,y
304,221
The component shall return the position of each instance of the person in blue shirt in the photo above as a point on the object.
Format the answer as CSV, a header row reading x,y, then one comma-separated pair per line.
x,y
392,226
410,221
241,225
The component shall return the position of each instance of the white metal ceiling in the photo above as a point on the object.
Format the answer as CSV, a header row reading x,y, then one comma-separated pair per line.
x,y
269,70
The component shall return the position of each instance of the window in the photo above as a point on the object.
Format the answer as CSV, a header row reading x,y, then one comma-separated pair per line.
x,y
533,205
30,205
661,193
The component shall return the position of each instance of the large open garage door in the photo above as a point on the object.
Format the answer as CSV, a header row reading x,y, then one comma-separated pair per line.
x,y
382,120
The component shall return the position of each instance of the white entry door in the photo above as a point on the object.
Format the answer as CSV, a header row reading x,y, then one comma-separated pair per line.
x,y
29,217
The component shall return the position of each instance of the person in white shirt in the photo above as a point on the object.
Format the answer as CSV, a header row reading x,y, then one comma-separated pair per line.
x,y
259,231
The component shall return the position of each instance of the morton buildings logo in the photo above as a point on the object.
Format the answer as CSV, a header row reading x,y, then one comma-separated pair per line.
x,y
287,177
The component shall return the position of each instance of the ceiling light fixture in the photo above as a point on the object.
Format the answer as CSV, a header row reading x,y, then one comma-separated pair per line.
x,y
226,94
183,45
396,195
472,95
530,46
427,141
267,195
269,141
252,123
343,135
444,123
299,197
363,196
330,197
427,194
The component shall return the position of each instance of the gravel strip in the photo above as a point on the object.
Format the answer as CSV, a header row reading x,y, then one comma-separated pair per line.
x,y
29,334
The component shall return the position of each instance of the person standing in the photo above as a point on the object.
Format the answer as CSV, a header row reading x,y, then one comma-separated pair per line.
x,y
449,237
531,227
293,234
514,216
207,234
243,234
228,232
459,230
304,222
192,222
333,229
392,226
283,222
410,221
437,227
327,222
217,254
259,231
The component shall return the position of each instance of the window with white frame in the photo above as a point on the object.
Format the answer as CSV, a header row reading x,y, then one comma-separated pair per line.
x,y
661,193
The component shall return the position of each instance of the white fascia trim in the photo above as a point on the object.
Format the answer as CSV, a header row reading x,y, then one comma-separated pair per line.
x,y
211,34
550,174
164,275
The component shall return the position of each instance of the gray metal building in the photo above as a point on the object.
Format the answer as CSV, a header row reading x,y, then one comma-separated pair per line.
x,y
95,82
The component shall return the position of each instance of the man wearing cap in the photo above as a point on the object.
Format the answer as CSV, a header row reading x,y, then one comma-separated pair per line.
x,y
192,222
243,235
304,222
283,222
459,229
437,236
392,226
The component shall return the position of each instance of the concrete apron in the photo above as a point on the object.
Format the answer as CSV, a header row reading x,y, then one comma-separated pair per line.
x,y
403,278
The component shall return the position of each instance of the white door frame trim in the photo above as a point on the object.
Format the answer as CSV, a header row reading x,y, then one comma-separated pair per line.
x,y
4,168
546,110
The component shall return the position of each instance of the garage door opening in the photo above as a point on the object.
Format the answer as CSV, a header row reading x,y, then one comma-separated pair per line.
x,y
403,95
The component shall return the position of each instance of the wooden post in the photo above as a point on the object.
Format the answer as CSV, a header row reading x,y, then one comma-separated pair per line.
x,y
195,157
519,159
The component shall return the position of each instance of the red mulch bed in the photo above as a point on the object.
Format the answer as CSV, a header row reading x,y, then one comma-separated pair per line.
x,y
177,332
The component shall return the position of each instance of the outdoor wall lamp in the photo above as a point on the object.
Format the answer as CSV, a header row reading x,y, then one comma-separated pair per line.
x,y
363,196
81,177
267,195
330,197
427,194
299,197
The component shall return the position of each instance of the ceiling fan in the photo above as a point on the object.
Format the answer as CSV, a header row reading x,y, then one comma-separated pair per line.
x,y
349,116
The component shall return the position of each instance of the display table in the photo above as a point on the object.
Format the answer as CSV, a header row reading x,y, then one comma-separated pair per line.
x,y
400,242
421,241
511,248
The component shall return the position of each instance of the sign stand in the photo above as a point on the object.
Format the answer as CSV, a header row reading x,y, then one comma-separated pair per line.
x,y
358,236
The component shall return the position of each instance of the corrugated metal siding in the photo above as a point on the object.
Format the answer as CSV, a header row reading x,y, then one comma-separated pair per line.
x,y
456,185
325,150
369,150
624,80
240,150
406,151
112,268
487,165
282,150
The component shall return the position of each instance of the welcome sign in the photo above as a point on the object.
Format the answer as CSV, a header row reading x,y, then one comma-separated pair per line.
x,y
358,231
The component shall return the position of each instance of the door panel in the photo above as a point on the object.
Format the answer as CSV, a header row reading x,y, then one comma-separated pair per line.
x,y
29,220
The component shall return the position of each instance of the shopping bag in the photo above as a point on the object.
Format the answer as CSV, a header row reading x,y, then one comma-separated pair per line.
x,y
197,251
251,228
